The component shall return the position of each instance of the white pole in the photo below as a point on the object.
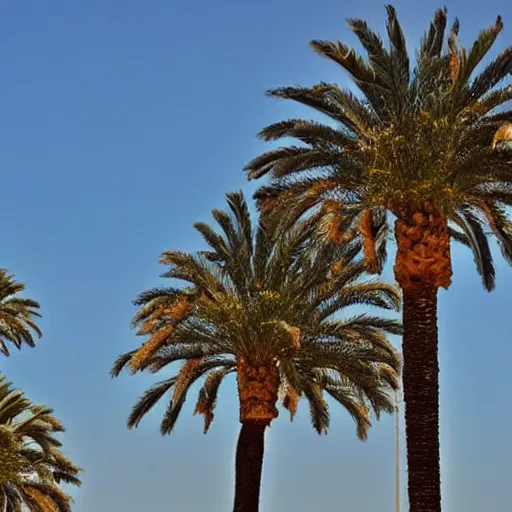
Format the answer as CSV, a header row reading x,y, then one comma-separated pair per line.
x,y
397,452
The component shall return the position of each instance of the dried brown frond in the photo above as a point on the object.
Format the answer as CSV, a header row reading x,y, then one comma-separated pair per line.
x,y
294,333
332,206
335,234
454,65
44,502
201,407
291,401
338,267
178,312
180,309
453,49
320,89
185,375
320,186
149,348
503,134
150,323
365,228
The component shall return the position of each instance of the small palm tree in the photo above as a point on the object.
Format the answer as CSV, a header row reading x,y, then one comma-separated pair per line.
x,y
265,309
16,314
31,462
433,146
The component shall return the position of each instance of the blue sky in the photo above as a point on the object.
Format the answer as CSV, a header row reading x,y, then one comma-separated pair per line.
x,y
123,123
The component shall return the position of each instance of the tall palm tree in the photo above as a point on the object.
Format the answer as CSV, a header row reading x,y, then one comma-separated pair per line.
x,y
16,315
31,462
432,146
265,309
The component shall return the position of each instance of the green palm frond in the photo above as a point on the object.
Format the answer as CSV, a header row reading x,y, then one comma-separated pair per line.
x,y
351,402
471,226
121,363
31,462
318,407
432,41
176,404
381,295
408,137
17,315
148,400
479,50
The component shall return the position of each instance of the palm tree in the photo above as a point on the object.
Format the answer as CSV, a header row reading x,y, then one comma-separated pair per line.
x,y
31,462
432,146
265,309
16,314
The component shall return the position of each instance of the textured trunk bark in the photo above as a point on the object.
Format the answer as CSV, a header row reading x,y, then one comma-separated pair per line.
x,y
422,266
423,249
258,385
249,464
421,394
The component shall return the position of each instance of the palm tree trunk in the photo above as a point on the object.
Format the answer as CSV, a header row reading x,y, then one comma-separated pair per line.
x,y
249,464
421,396
422,266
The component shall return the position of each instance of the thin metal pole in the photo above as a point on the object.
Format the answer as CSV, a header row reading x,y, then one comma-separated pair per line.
x,y
397,452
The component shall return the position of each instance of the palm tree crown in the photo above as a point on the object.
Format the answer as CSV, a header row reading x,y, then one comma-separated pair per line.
x,y
31,462
432,141
265,307
16,315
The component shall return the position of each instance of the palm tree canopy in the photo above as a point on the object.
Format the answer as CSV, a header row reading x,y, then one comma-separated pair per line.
x,y
262,298
16,315
437,133
31,462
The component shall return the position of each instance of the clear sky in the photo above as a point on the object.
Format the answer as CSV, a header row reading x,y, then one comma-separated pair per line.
x,y
124,122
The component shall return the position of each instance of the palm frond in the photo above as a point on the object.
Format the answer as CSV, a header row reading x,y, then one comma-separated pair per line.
x,y
32,463
148,400
471,226
16,315
432,42
319,410
207,398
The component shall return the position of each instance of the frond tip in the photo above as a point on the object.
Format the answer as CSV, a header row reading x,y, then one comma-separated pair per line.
x,y
207,399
